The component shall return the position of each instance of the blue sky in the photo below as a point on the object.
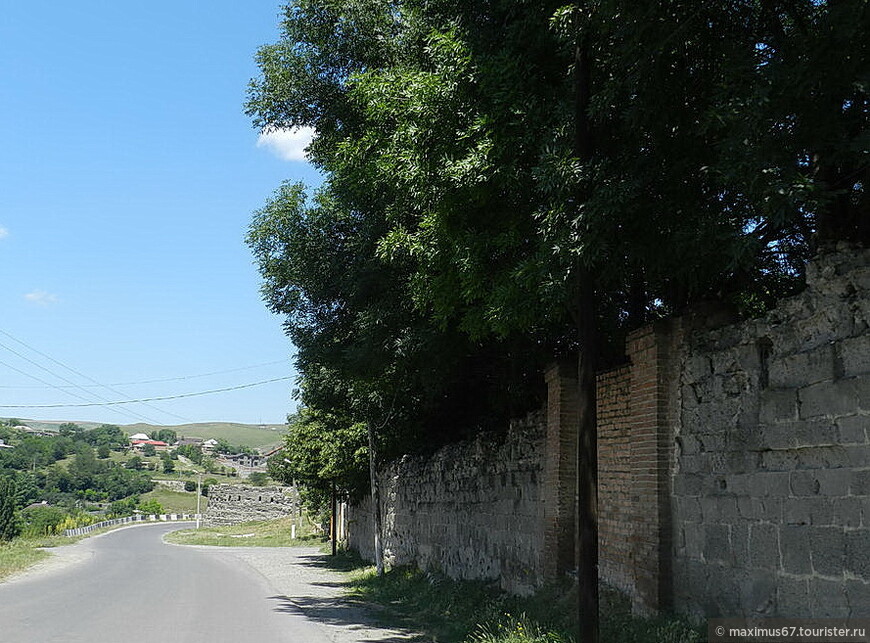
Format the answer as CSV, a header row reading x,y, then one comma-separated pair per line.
x,y
128,176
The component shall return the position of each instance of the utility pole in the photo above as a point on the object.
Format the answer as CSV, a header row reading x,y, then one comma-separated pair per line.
x,y
198,496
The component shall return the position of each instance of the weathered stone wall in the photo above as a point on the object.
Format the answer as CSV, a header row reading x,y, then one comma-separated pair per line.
x,y
771,479
473,510
232,504
734,468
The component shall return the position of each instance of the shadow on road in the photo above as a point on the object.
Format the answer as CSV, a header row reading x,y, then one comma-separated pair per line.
x,y
342,613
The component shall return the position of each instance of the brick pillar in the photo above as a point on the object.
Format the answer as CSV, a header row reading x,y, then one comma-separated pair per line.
x,y
652,384
560,470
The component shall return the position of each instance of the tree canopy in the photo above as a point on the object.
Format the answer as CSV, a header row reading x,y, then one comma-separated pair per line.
x,y
435,271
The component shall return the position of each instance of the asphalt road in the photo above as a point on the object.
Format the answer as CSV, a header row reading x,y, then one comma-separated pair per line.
x,y
128,586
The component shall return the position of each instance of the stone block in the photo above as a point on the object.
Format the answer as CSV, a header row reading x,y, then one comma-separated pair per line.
x,y
778,405
827,550
758,593
804,483
854,354
795,549
828,598
859,484
802,369
847,512
857,553
808,511
792,597
716,543
811,433
763,546
828,399
853,429
858,597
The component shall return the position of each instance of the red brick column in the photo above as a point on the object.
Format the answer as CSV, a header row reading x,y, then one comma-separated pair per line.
x,y
560,470
650,350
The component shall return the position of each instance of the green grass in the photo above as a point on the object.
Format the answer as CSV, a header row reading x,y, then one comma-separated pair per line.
x,y
273,533
251,435
449,611
18,555
175,502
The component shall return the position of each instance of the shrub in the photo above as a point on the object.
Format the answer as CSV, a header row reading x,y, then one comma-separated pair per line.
x,y
189,485
9,526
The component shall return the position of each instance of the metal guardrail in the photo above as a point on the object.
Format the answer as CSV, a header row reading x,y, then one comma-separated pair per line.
x,y
81,531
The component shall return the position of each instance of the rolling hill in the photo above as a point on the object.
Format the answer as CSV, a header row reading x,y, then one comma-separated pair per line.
x,y
252,435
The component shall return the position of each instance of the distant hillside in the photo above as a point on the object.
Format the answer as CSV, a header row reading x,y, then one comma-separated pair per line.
x,y
252,435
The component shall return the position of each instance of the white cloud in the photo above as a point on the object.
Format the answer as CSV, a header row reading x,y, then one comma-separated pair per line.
x,y
287,144
3,232
41,298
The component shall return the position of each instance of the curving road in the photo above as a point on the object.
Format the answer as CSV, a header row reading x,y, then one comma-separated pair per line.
x,y
128,586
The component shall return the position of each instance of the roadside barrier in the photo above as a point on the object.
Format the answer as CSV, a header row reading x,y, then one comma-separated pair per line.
x,y
81,531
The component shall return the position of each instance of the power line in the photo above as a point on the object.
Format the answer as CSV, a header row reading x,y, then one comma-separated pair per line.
x,y
128,412
160,380
147,399
90,379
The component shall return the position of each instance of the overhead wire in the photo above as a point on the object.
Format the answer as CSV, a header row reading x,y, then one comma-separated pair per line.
x,y
162,379
147,399
129,412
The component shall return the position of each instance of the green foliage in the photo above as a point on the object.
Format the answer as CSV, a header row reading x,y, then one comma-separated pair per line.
x,y
258,478
149,450
9,526
150,507
124,507
135,463
42,520
469,188
103,451
189,485
166,435
206,483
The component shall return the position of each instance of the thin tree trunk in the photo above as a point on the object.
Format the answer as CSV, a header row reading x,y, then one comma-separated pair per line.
x,y
376,501
587,436
334,529
587,461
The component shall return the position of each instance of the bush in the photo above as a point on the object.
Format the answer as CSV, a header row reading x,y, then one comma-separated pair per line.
x,y
258,478
151,507
189,485
9,526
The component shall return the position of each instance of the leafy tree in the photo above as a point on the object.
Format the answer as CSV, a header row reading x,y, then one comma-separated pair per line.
x,y
41,520
151,507
9,527
103,451
189,485
166,435
550,173
149,450
168,464
135,463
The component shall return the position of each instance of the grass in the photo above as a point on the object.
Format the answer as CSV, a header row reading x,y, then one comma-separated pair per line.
x,y
175,502
449,611
273,533
247,434
18,555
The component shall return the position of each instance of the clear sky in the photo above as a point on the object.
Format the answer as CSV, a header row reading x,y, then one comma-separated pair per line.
x,y
128,176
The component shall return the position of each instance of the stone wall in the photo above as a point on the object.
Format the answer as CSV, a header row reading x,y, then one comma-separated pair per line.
x,y
734,468
473,510
232,504
771,479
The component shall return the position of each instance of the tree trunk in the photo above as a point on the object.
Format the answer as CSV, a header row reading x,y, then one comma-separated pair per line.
x,y
334,520
587,461
587,436
376,501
